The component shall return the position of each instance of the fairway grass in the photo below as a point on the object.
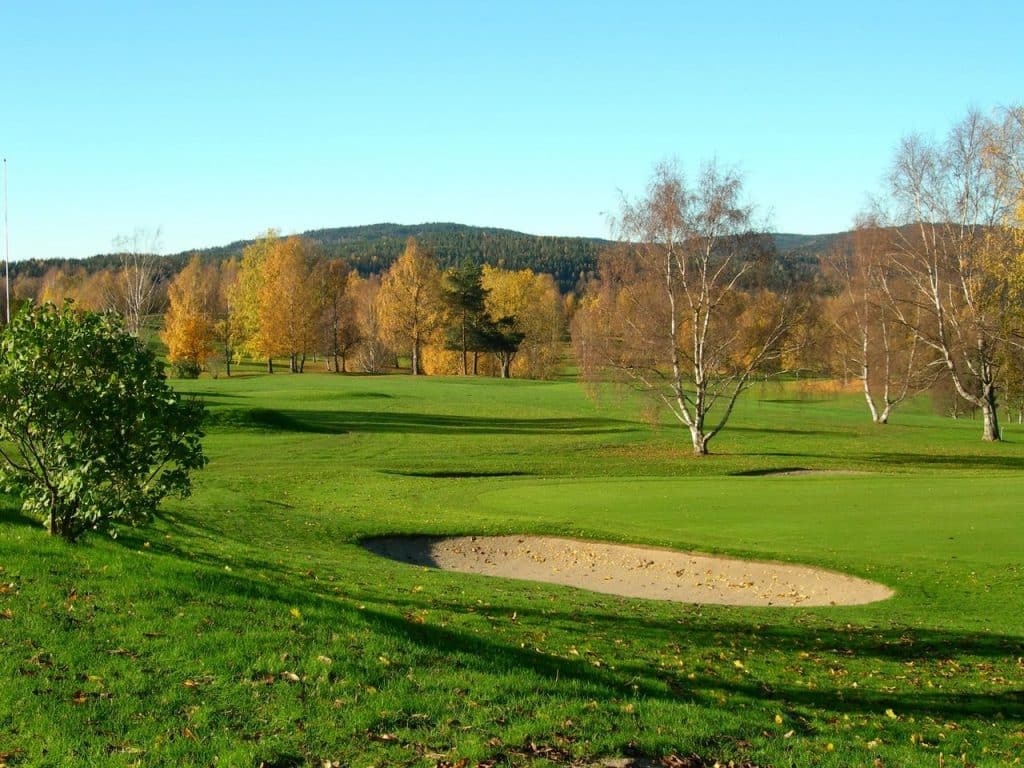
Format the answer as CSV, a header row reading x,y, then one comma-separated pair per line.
x,y
247,626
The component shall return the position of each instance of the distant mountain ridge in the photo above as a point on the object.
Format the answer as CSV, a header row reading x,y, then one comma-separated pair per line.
x,y
371,248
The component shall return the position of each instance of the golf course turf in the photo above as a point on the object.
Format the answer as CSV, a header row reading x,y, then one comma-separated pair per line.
x,y
247,626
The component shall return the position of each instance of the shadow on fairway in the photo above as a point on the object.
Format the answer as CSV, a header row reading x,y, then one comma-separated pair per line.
x,y
695,630
896,645
885,461
455,474
210,394
342,422
784,431
768,471
953,462
797,400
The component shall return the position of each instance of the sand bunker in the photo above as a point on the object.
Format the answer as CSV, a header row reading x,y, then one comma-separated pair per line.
x,y
658,574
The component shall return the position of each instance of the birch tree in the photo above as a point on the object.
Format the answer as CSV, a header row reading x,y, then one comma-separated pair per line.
x,y
887,357
226,326
339,333
372,353
677,310
952,201
135,292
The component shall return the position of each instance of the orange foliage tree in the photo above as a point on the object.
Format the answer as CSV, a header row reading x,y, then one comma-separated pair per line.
x,y
188,321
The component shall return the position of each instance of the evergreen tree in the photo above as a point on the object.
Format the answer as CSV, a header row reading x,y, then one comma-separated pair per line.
x,y
464,298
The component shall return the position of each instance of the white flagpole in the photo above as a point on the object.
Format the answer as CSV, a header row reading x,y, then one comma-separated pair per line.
x,y
7,250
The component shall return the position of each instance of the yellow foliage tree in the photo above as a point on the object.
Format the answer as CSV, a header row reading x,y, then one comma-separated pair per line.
x,y
288,310
338,332
246,296
226,330
372,353
188,322
409,302
535,304
436,360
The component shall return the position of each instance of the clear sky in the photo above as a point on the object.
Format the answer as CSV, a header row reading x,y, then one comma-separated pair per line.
x,y
216,120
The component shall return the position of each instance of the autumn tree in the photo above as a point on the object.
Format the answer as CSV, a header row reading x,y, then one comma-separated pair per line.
x,y
534,302
338,330
93,291
677,309
869,338
135,292
58,285
372,354
246,297
288,311
188,321
409,302
951,203
226,321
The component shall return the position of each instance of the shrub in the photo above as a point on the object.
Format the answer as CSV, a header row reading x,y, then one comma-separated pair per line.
x,y
91,433
187,369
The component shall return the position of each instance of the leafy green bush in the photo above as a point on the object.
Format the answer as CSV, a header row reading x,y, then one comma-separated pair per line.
x,y
91,433
187,369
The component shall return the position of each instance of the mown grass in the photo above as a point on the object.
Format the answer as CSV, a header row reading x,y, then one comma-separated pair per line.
x,y
248,627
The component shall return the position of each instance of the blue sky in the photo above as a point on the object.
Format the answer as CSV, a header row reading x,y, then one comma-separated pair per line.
x,y
215,121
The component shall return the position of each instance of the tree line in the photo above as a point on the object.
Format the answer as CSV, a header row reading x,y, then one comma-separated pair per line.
x,y
690,303
284,299
927,292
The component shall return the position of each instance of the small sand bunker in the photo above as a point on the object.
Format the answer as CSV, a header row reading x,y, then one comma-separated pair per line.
x,y
658,574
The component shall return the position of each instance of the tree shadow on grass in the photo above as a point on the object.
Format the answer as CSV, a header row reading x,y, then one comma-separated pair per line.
x,y
210,394
768,471
787,431
456,474
12,515
974,461
341,422
333,603
889,460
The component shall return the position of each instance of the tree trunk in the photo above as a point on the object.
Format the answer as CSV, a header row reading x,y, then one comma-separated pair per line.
x,y
989,415
270,365
61,522
416,358
465,361
700,441
506,364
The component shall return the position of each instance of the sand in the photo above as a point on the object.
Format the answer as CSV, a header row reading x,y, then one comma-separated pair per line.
x,y
633,571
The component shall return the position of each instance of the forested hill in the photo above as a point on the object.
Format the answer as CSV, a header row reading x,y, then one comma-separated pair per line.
x,y
372,248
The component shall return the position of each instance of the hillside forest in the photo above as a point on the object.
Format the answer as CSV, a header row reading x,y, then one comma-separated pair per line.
x,y
689,302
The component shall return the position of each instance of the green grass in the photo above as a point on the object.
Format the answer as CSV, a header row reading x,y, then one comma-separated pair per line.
x,y
247,627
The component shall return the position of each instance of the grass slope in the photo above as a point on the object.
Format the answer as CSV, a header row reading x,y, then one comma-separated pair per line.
x,y
247,627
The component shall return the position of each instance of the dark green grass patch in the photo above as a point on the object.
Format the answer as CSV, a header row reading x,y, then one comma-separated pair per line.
x,y
246,626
